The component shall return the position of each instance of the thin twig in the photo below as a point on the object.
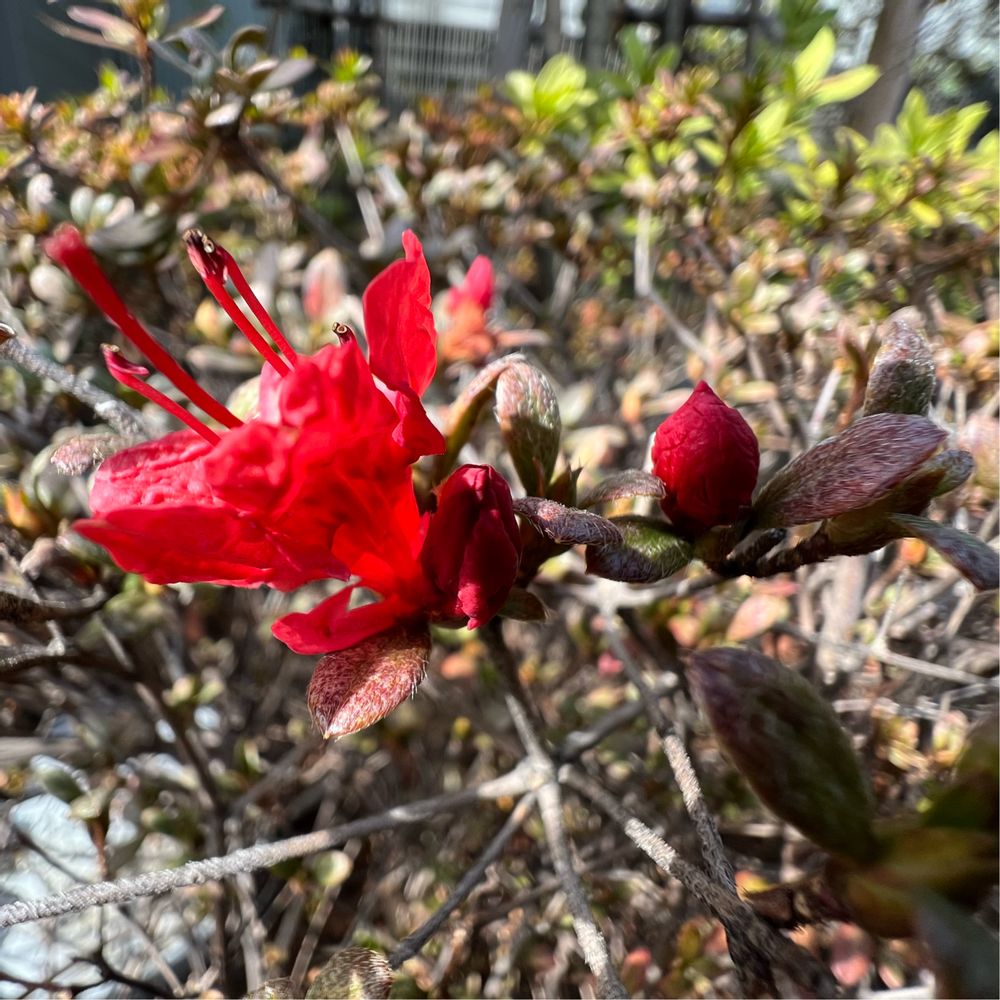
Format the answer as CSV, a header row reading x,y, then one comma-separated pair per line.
x,y
414,942
118,415
766,942
592,943
588,934
515,782
708,834
886,656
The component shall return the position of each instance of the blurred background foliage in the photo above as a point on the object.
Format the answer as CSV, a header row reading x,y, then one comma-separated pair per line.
x,y
670,217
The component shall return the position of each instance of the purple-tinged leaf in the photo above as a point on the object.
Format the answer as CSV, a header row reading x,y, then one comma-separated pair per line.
x,y
622,485
973,558
567,525
785,739
355,687
852,470
902,373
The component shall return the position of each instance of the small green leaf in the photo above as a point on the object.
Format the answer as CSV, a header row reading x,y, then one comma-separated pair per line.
x,y
352,974
926,215
847,85
647,551
812,63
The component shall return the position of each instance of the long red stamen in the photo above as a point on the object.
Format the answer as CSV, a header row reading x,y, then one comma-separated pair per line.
x,y
215,264
133,376
68,249
243,287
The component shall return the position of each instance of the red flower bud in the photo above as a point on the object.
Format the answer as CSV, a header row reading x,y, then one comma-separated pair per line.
x,y
707,457
472,547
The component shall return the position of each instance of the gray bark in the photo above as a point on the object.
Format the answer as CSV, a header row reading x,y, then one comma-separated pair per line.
x,y
892,52
513,37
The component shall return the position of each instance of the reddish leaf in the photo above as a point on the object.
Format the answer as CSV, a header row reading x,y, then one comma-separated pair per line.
x,y
567,525
973,558
851,470
630,483
357,686
902,374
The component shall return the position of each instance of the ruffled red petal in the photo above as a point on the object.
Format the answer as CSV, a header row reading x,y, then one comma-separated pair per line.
x,y
399,325
330,626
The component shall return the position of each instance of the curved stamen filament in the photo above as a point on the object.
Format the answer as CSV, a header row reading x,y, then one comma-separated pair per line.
x,y
215,264
133,377
68,249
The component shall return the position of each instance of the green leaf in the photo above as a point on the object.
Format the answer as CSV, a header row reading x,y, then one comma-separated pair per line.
x,y
926,215
520,88
528,414
353,974
711,151
847,85
647,551
812,63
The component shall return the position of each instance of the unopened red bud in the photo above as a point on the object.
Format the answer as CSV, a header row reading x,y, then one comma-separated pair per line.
x,y
472,547
708,458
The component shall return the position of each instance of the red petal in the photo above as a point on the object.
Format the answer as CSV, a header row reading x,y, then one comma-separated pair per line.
x,y
478,286
330,627
355,687
398,322
157,514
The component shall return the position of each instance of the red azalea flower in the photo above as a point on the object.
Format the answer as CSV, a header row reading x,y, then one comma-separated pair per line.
x,y
477,287
379,651
317,483
708,458
469,337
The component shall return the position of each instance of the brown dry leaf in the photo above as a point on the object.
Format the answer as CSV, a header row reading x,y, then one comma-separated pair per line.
x,y
757,614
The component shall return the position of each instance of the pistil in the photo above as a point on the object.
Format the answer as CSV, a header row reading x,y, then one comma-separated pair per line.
x,y
68,249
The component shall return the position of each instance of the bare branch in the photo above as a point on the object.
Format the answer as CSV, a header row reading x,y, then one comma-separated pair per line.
x,y
514,782
121,417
